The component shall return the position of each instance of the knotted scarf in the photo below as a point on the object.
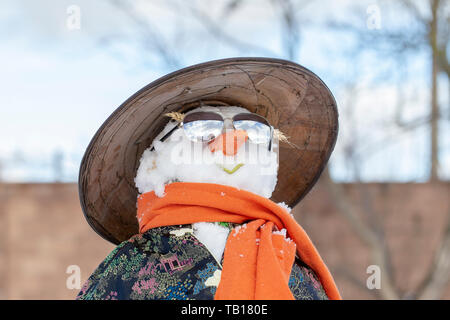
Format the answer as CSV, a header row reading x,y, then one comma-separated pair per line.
x,y
258,258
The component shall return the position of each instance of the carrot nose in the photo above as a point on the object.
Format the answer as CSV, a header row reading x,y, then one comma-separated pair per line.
x,y
229,142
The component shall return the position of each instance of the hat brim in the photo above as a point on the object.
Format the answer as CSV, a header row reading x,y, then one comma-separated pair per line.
x,y
290,96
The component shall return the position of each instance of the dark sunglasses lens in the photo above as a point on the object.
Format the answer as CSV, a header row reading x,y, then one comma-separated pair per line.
x,y
257,132
203,130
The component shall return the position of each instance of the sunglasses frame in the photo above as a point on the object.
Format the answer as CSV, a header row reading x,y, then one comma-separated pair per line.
x,y
217,116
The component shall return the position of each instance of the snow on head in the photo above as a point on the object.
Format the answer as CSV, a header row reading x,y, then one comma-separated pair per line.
x,y
253,168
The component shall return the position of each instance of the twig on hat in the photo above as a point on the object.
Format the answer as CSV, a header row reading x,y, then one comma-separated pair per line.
x,y
177,116
277,133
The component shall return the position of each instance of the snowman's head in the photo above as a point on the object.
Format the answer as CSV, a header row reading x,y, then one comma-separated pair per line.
x,y
223,145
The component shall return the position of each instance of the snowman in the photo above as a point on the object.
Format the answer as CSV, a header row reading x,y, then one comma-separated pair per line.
x,y
207,227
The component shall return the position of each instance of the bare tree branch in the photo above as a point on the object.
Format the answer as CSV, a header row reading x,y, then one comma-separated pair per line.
x,y
378,251
411,6
150,37
290,27
438,277
217,31
345,273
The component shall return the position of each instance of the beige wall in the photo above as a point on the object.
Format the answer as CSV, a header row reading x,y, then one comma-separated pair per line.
x,y
413,218
43,231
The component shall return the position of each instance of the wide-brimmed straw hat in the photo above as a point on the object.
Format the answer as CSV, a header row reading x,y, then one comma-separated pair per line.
x,y
292,98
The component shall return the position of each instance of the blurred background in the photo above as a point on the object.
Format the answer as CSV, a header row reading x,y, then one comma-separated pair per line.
x,y
379,215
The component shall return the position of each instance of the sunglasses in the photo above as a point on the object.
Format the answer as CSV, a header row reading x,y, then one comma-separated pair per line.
x,y
205,126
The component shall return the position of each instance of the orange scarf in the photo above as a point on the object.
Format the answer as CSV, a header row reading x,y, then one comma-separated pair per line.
x,y
257,262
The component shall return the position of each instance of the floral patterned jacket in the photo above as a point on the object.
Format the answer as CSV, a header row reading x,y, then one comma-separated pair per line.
x,y
169,263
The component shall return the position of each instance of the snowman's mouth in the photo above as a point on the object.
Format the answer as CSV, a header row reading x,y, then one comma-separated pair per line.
x,y
233,170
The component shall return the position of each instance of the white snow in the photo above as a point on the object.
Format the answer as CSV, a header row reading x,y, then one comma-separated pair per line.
x,y
284,206
213,236
238,229
283,232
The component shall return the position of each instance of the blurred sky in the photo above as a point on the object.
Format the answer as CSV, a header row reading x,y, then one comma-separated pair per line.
x,y
57,85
